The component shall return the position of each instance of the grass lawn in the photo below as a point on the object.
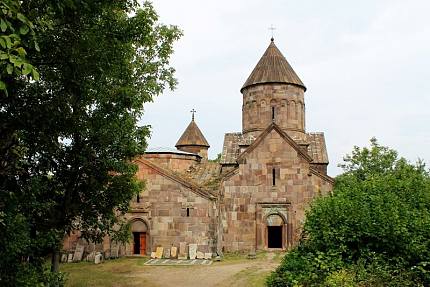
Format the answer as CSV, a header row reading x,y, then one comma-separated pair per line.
x,y
109,273
234,270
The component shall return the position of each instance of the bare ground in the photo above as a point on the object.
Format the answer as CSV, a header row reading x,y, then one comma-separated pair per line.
x,y
234,270
230,273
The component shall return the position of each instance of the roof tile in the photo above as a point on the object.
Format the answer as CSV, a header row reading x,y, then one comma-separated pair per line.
x,y
273,68
192,136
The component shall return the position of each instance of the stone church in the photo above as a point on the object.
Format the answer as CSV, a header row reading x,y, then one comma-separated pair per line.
x,y
255,197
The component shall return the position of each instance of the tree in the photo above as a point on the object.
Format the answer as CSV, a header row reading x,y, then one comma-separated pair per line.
x,y
99,62
17,39
374,230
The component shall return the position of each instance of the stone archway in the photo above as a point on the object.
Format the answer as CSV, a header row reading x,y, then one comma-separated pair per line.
x,y
275,232
140,232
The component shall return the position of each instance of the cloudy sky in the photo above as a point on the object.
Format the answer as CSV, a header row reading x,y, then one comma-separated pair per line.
x,y
366,65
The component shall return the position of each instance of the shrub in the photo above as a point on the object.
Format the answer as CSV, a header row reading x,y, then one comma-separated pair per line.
x,y
373,231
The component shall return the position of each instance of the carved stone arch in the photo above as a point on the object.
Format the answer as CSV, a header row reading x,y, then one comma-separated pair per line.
x,y
302,116
293,109
283,103
263,103
277,213
299,115
273,102
253,112
138,224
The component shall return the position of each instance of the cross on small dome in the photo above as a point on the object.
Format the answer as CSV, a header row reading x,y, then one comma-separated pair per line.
x,y
193,111
272,28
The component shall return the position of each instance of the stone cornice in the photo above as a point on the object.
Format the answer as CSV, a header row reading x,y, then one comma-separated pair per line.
x,y
314,171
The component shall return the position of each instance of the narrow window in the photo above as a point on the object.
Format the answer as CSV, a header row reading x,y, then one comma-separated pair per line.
x,y
273,177
273,113
188,212
138,198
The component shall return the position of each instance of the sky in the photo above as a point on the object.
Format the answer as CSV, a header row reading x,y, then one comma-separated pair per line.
x,y
366,66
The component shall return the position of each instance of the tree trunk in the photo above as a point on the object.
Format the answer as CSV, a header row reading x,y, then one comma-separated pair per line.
x,y
55,261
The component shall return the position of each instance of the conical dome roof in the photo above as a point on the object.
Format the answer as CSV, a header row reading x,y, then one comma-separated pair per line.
x,y
273,68
192,136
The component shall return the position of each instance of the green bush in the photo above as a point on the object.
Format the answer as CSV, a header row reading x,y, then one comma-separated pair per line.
x,y
373,231
341,278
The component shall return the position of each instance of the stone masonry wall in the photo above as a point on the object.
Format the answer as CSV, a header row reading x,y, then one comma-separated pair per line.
x,y
174,162
249,196
163,206
288,101
200,150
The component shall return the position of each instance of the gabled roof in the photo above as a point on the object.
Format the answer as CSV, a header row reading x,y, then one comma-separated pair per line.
x,y
232,142
273,68
314,171
184,181
205,174
231,147
317,149
167,150
192,136
283,134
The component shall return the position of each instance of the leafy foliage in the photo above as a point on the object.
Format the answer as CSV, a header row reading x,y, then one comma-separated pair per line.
x,y
217,159
17,38
68,136
373,231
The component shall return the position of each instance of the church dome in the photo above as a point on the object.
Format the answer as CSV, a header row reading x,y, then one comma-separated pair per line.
x,y
273,68
192,136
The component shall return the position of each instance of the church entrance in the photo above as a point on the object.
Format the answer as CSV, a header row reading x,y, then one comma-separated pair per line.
x,y
275,231
274,236
140,233
139,246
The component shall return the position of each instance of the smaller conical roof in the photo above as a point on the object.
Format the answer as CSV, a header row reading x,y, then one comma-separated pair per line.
x,y
192,136
273,68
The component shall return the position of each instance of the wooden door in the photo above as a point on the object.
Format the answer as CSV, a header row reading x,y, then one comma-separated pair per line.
x,y
142,243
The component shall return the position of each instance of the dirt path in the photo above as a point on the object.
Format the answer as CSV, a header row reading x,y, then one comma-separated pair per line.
x,y
221,274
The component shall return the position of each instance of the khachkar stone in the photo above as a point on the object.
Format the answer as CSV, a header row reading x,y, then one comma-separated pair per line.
x,y
98,258
208,255
173,252
159,252
114,251
91,256
166,253
200,255
79,252
182,250
192,250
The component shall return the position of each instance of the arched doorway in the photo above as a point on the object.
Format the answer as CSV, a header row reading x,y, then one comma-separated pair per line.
x,y
140,235
275,231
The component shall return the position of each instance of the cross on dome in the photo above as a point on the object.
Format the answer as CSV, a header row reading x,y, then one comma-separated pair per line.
x,y
272,28
193,111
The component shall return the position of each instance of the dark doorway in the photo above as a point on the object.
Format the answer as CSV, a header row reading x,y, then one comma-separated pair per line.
x,y
139,243
136,240
274,236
